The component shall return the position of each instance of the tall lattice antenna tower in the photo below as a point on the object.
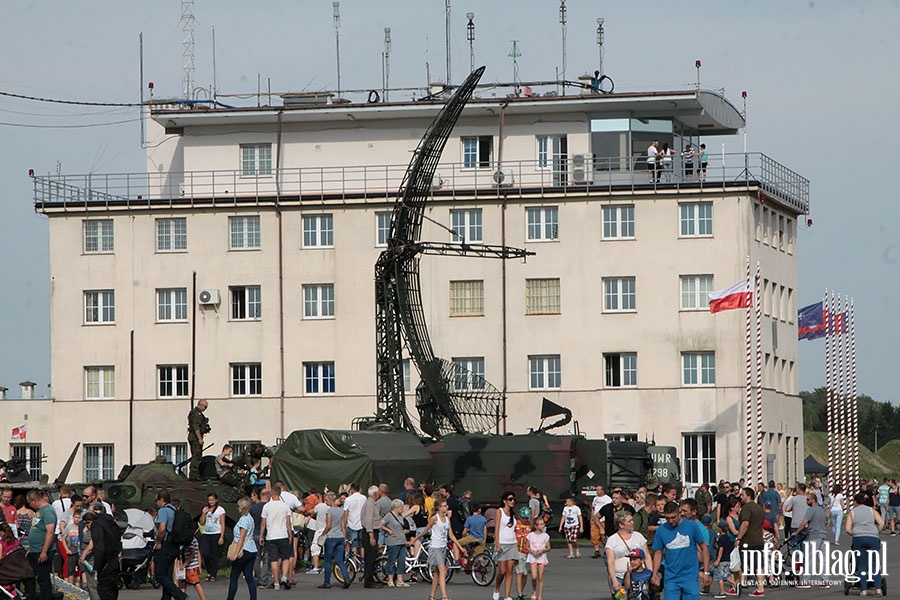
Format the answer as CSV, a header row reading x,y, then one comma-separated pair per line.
x,y
337,42
563,20
514,53
187,26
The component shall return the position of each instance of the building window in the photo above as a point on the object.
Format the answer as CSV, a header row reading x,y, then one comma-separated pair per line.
x,y
240,446
544,372
173,381
99,307
171,235
171,304
696,219
33,457
407,376
246,379
620,369
542,223
382,228
319,377
466,225
98,236
698,368
467,298
699,458
621,437
618,294
695,290
318,301
468,373
175,453
318,231
246,303
99,383
244,232
542,297
618,222
256,159
99,462
477,152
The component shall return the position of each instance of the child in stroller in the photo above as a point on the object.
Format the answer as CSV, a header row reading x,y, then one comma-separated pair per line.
x,y
14,566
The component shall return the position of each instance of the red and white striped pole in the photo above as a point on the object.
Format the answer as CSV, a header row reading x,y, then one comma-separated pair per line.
x,y
842,408
854,410
759,427
749,400
829,404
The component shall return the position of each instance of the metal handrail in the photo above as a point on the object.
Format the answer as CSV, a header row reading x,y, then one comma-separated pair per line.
x,y
379,183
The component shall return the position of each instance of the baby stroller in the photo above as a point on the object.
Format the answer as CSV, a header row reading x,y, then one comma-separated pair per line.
x,y
137,549
792,570
14,569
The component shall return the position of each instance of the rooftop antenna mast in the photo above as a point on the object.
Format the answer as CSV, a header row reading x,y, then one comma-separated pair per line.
x,y
337,42
562,21
600,35
187,25
515,54
447,36
470,35
387,63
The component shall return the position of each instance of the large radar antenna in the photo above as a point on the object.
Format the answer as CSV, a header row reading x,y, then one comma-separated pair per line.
x,y
444,406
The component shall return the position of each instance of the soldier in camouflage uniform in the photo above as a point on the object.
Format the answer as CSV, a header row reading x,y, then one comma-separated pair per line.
x,y
239,478
198,426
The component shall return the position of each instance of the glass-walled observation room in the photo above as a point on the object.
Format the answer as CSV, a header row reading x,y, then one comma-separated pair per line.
x,y
620,143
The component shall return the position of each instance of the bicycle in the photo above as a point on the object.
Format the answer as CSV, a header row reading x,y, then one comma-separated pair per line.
x,y
354,567
482,568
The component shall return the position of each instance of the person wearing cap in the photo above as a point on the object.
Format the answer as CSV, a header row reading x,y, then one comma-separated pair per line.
x,y
637,577
618,545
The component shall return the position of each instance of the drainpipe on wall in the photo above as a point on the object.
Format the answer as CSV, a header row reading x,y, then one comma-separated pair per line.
x,y
503,261
278,216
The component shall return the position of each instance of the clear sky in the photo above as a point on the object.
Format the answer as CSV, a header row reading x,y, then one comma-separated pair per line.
x,y
821,78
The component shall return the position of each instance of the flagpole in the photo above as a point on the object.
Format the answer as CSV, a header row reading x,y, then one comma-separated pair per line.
x,y
829,406
854,409
759,427
841,390
749,400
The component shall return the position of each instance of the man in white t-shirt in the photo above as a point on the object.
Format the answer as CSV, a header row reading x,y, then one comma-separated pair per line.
x,y
315,550
353,506
295,505
598,537
274,535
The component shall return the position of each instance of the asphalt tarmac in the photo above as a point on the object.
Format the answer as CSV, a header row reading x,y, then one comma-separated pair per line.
x,y
577,579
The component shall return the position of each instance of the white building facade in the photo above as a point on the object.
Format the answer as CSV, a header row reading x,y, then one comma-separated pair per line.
x,y
239,269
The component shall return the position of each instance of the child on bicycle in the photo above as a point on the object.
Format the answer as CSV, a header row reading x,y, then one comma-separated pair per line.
x,y
538,547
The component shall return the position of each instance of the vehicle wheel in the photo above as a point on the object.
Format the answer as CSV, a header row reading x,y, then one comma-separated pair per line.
x,y
424,570
847,586
381,569
484,569
154,583
883,586
121,584
449,559
351,572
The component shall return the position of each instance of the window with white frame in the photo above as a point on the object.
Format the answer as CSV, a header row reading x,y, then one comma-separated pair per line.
x,y
33,457
407,376
477,152
173,381
618,222
318,301
256,160
318,231
619,294
551,151
171,304
466,225
620,369
319,377
468,373
99,307
542,297
382,228
544,372
621,437
467,298
542,223
98,236
99,462
246,379
698,368
699,458
99,383
174,452
171,234
695,290
696,219
246,303
244,233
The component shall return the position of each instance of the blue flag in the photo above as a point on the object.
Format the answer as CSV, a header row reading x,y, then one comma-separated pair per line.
x,y
811,322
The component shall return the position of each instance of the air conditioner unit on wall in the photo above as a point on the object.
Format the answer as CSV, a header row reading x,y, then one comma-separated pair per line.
x,y
503,177
582,169
209,298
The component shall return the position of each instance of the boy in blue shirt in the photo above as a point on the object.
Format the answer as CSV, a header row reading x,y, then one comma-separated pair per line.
x,y
679,540
637,578
473,530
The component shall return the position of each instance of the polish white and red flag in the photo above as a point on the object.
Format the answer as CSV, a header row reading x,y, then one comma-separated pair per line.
x,y
18,433
740,295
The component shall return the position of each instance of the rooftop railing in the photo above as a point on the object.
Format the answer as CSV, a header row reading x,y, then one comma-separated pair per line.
x,y
572,174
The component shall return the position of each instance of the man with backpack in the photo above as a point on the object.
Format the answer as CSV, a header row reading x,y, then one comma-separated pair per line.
x,y
167,546
106,544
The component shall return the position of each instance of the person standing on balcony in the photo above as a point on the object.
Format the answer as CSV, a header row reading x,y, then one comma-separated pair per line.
x,y
704,162
652,166
687,156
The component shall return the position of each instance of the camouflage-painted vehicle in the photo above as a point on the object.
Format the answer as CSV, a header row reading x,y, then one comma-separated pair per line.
x,y
137,486
559,465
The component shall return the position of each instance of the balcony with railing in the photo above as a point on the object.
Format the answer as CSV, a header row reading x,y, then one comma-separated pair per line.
x,y
571,175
